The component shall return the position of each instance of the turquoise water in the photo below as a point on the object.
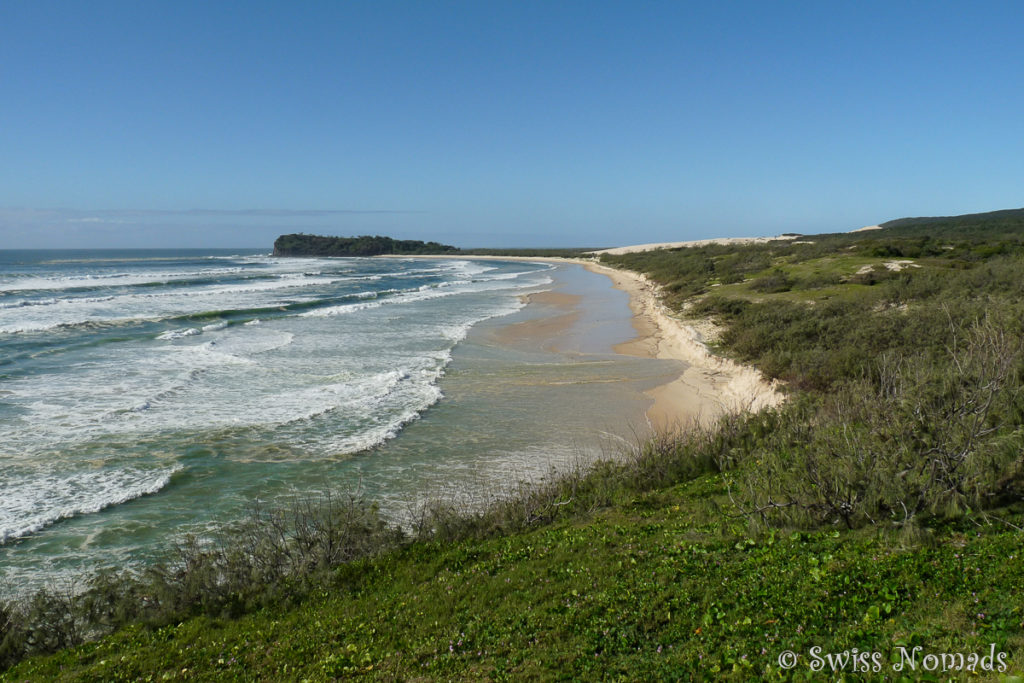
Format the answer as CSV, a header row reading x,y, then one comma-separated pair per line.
x,y
145,395
513,412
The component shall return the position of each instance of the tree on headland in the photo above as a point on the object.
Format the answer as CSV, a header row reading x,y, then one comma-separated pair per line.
x,y
365,245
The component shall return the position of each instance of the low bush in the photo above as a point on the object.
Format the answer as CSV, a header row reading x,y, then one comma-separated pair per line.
x,y
273,556
923,441
772,283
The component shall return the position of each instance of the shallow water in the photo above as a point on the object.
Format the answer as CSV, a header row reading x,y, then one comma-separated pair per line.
x,y
147,395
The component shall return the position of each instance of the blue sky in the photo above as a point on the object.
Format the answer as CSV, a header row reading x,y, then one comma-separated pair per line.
x,y
224,124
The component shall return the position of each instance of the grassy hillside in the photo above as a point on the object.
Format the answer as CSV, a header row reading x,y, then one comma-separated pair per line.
x,y
657,586
879,510
984,225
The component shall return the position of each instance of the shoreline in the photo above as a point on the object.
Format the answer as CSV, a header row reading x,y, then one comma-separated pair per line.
x,y
709,387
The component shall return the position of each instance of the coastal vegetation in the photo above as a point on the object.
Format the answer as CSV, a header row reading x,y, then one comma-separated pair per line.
x,y
879,510
317,245
365,245
902,350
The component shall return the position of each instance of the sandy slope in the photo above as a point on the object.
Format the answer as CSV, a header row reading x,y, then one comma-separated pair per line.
x,y
717,240
710,386
693,243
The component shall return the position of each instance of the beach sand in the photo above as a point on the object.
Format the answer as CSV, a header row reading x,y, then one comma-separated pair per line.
x,y
544,330
525,394
708,385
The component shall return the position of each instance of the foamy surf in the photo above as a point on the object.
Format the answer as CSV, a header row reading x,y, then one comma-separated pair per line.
x,y
34,502
178,334
289,365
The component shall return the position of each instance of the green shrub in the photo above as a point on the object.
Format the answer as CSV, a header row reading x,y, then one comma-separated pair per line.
x,y
921,440
772,283
817,281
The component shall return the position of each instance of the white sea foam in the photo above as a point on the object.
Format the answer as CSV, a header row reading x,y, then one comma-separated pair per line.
x,y
64,311
145,391
423,293
183,294
20,284
69,311
22,303
290,384
178,334
419,389
341,309
35,501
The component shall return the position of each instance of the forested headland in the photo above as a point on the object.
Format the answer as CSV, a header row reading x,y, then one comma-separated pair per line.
x,y
316,245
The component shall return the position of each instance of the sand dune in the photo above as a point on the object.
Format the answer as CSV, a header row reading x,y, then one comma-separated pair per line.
x,y
692,243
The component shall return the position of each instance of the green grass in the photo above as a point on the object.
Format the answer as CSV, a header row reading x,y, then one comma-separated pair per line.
x,y
660,587
828,278
844,292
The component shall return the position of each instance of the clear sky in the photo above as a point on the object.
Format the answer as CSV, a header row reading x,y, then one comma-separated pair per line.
x,y
487,123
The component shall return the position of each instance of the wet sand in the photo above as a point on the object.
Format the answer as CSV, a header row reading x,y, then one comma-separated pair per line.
x,y
710,386
707,385
543,330
536,391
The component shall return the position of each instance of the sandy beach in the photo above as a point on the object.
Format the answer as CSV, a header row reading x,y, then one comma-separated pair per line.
x,y
708,387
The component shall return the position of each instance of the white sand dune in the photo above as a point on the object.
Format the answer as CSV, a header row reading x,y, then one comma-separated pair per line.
x,y
692,243
716,240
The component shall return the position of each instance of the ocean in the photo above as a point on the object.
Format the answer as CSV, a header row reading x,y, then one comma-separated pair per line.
x,y
145,395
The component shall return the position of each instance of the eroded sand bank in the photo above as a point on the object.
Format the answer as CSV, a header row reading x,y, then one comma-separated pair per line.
x,y
710,386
